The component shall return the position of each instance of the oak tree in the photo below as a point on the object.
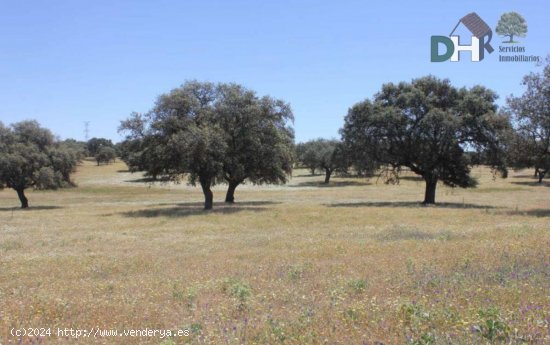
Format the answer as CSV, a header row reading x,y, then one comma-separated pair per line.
x,y
258,137
31,157
531,119
212,133
105,154
427,125
327,155
94,144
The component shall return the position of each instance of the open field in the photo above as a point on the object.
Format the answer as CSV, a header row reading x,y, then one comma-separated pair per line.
x,y
355,262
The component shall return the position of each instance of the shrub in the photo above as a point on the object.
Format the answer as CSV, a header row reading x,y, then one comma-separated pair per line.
x,y
239,290
492,325
358,285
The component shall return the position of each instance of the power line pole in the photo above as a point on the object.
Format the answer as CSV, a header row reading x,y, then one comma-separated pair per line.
x,y
86,129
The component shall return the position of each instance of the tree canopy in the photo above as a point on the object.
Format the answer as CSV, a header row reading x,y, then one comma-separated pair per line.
x,y
426,125
511,24
307,157
80,148
31,157
212,133
95,144
531,119
105,154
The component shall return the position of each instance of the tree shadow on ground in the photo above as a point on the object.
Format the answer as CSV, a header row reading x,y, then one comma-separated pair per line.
x,y
330,184
143,180
538,212
254,203
123,171
235,204
30,208
192,209
308,175
533,183
411,204
525,176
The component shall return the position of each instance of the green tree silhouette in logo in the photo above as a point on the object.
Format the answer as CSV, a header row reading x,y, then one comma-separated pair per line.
x,y
511,24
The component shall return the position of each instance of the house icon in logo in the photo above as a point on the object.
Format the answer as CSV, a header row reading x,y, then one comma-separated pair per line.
x,y
480,41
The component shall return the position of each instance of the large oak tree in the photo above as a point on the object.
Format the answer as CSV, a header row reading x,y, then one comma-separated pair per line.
x,y
212,133
427,125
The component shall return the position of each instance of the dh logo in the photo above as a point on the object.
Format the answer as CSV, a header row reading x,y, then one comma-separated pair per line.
x,y
481,38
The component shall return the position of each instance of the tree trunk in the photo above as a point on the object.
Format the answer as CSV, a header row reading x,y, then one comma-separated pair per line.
x,y
22,197
328,172
429,195
230,196
208,195
541,175
312,171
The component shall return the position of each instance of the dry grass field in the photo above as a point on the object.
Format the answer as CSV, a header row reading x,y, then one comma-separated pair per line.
x,y
355,262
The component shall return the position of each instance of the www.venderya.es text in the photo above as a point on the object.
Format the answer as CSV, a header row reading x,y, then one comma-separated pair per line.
x,y
96,332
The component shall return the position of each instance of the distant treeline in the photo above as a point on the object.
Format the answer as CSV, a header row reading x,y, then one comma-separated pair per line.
x,y
225,133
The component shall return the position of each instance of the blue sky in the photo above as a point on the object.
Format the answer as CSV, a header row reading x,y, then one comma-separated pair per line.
x,y
66,62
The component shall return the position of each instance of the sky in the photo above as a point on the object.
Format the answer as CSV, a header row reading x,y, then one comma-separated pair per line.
x,y
63,63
